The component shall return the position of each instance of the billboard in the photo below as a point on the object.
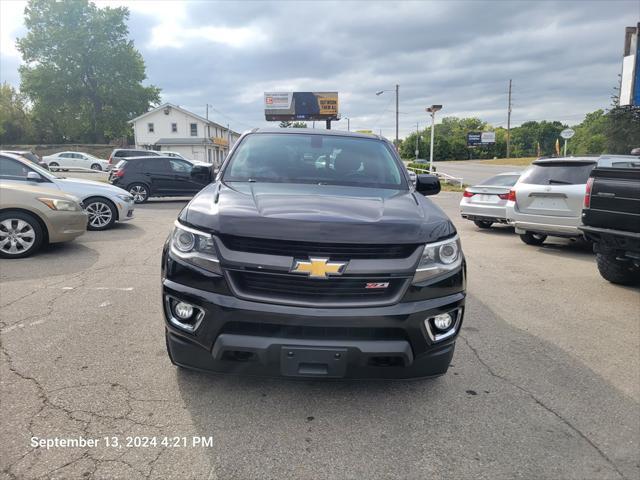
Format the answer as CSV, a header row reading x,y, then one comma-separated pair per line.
x,y
475,139
279,106
630,76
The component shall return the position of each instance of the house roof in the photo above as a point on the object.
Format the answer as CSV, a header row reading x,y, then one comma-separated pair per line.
x,y
186,112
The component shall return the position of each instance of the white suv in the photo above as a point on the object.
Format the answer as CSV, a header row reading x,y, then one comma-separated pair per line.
x,y
547,199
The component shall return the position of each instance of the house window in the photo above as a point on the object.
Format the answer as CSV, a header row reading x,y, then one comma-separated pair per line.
x,y
150,127
174,128
194,129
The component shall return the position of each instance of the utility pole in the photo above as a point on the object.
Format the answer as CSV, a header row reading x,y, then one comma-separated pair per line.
x,y
417,141
397,103
509,123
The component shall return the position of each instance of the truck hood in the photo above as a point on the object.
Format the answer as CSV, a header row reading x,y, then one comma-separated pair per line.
x,y
85,188
317,213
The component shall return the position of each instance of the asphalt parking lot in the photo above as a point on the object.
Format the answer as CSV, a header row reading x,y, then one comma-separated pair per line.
x,y
544,383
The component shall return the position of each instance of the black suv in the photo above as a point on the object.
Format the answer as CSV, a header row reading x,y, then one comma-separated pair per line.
x,y
158,176
119,153
312,255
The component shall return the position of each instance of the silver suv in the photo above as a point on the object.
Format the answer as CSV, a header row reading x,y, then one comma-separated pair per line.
x,y
547,199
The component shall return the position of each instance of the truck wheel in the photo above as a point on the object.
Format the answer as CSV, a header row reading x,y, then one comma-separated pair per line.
x,y
483,223
615,271
531,238
20,234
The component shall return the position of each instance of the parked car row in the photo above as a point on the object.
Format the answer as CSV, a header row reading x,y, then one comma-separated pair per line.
x,y
34,197
26,186
548,198
81,160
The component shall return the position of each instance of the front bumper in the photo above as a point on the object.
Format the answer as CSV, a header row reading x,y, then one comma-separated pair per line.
x,y
248,337
125,210
64,226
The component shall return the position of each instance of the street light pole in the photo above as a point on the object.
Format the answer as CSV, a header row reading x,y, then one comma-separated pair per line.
x,y
397,90
397,103
432,110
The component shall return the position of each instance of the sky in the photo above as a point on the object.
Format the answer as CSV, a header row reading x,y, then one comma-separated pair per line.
x,y
564,57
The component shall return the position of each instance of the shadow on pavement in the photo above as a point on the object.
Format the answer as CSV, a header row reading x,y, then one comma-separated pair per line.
x,y
508,400
53,259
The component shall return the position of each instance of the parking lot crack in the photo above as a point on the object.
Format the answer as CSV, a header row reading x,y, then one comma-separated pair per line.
x,y
540,403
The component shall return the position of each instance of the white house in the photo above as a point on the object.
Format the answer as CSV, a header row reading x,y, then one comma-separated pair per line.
x,y
169,127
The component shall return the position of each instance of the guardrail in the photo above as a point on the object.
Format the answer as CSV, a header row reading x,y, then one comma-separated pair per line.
x,y
76,169
441,175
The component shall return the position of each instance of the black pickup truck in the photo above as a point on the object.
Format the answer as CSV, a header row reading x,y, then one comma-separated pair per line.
x,y
611,219
312,254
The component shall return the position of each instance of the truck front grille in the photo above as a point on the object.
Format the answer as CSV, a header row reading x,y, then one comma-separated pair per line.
x,y
299,290
334,251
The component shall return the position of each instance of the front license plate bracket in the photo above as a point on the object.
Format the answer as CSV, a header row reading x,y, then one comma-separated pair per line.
x,y
313,362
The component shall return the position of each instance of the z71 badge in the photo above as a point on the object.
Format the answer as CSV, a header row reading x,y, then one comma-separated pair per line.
x,y
377,285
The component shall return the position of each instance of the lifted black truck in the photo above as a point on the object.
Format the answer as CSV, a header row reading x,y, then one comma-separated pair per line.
x,y
611,219
313,255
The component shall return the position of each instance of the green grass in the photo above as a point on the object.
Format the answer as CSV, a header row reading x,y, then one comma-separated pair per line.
x,y
520,162
448,187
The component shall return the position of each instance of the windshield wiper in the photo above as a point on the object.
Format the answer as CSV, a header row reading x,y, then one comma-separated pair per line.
x,y
561,182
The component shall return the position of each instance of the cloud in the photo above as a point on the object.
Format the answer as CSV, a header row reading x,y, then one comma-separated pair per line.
x,y
564,57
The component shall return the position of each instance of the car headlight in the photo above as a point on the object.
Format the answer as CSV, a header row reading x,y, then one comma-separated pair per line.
x,y
125,198
438,258
62,205
194,247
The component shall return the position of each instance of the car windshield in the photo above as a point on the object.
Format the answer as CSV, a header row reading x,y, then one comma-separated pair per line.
x,y
502,180
320,159
30,156
558,173
43,172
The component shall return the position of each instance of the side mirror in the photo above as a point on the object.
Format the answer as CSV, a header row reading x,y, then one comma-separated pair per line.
x,y
428,184
34,177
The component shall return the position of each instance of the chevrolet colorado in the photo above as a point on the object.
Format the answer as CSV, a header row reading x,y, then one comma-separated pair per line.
x,y
313,255
611,219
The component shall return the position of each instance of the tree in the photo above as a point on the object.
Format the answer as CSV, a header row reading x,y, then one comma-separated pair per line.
x,y
299,125
590,135
15,122
285,124
82,73
623,129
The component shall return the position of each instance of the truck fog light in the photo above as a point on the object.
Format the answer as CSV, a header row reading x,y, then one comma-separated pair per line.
x,y
443,321
183,311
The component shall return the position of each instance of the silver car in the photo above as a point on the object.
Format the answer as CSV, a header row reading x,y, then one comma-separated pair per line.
x,y
547,199
486,203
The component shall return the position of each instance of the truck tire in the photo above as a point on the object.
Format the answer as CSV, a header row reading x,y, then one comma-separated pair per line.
x,y
615,271
531,238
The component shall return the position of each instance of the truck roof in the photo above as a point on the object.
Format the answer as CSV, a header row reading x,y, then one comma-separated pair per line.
x,y
316,131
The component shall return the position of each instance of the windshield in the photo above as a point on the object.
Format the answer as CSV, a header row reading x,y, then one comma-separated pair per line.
x,y
502,180
320,159
558,173
45,173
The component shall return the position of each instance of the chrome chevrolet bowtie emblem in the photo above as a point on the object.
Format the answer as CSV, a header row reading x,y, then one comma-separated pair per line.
x,y
318,267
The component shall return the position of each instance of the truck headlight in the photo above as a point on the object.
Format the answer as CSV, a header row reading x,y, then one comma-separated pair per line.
x,y
195,247
438,258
